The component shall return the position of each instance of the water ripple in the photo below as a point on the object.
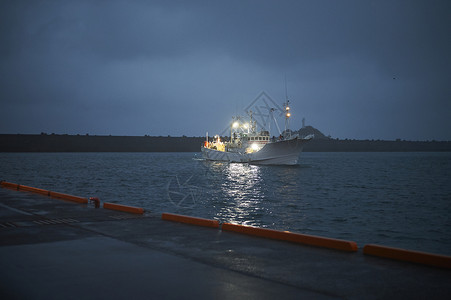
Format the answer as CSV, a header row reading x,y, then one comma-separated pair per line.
x,y
397,199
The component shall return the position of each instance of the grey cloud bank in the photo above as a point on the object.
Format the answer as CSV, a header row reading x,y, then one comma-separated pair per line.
x,y
354,69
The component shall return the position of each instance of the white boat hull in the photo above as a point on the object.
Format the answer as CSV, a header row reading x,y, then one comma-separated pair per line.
x,y
285,152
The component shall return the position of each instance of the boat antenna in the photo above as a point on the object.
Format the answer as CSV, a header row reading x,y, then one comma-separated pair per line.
x,y
286,89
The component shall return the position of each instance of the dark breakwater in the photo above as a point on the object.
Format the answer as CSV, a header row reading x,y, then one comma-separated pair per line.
x,y
99,143
96,143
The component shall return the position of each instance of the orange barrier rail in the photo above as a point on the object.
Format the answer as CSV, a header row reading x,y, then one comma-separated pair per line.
x,y
125,208
293,237
424,258
33,190
69,197
190,220
44,192
9,185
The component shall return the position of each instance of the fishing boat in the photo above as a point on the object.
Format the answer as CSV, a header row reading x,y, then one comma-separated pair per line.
x,y
247,144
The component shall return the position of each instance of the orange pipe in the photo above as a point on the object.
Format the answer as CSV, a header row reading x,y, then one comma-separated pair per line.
x,y
293,237
125,208
9,185
68,197
436,260
33,190
190,220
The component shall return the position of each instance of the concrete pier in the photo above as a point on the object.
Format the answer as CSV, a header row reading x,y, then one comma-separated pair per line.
x,y
54,249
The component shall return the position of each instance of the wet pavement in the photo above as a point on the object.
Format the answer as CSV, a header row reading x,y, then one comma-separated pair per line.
x,y
51,248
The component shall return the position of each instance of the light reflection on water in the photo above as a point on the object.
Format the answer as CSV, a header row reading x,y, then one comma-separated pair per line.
x,y
242,186
263,196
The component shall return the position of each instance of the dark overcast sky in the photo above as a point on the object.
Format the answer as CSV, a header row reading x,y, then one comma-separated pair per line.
x,y
355,69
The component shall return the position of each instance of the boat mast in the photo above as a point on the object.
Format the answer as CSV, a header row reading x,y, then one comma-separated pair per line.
x,y
287,117
286,106
252,124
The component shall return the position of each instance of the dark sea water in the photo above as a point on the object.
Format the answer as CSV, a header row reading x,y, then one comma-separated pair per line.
x,y
395,199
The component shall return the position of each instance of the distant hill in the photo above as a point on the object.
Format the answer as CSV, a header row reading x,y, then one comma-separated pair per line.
x,y
307,130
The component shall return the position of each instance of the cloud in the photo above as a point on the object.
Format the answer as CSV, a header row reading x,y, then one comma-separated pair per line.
x,y
355,69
